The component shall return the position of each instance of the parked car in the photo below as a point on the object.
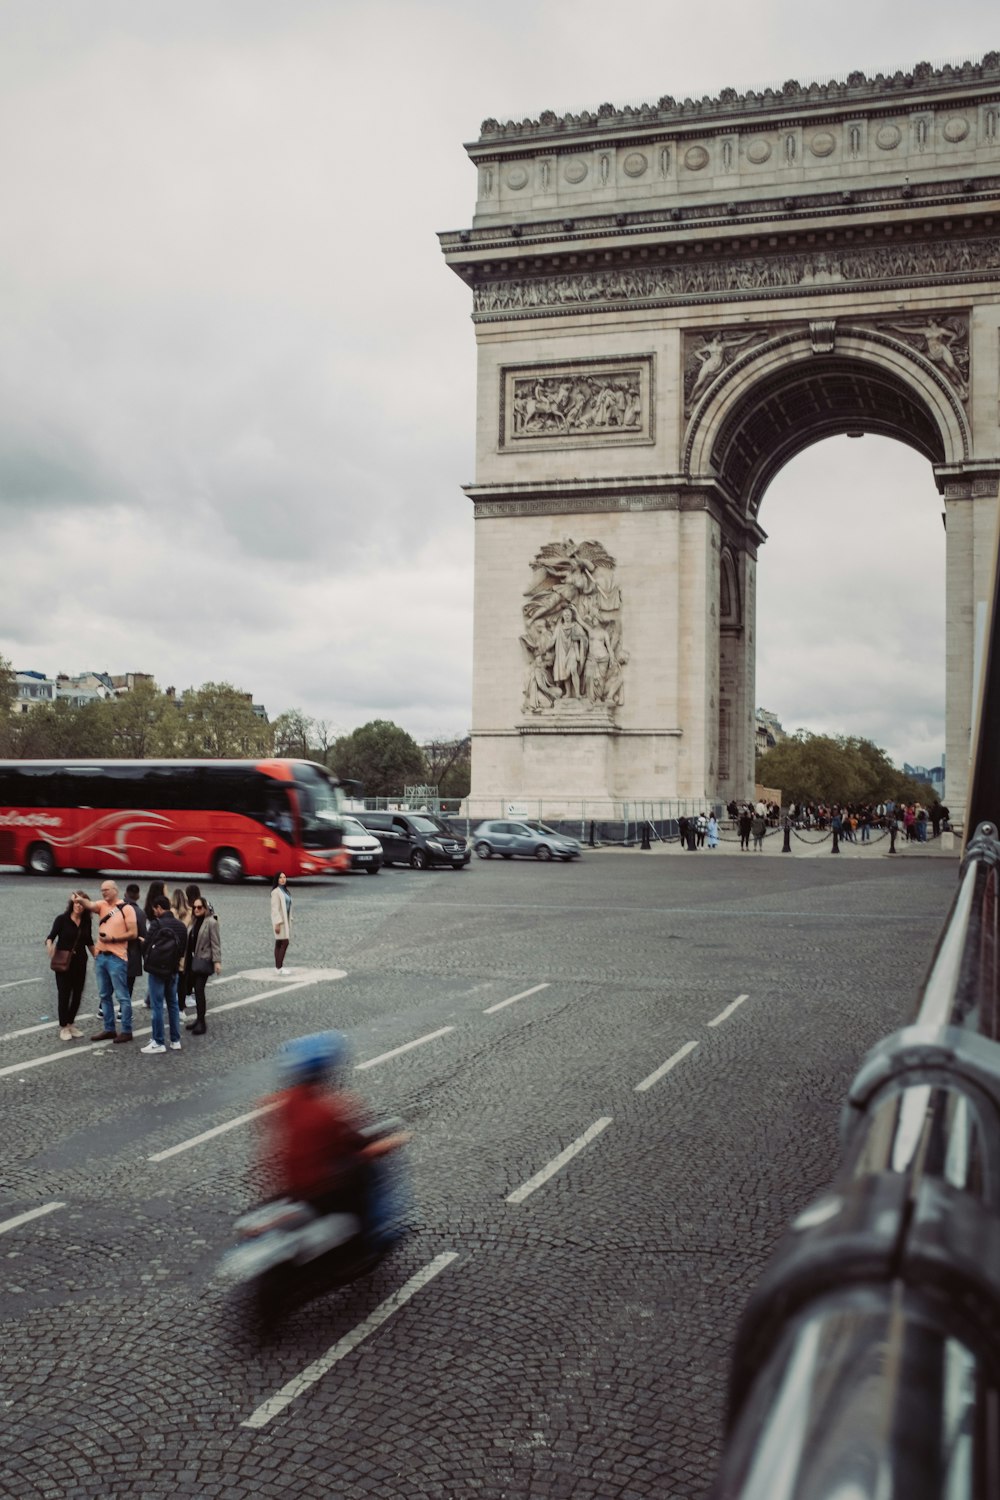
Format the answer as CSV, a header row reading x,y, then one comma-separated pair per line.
x,y
507,837
416,839
363,847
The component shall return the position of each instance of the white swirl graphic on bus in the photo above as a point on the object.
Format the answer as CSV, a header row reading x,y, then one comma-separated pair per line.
x,y
111,834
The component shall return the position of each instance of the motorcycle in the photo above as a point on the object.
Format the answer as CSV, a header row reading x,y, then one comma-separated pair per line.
x,y
288,1251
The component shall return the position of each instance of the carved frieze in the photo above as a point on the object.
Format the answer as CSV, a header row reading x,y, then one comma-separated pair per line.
x,y
572,633
740,276
577,404
942,340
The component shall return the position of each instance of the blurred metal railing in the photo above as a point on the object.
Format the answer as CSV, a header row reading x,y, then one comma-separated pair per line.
x,y
867,1362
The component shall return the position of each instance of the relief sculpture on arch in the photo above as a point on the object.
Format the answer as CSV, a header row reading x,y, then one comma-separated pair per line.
x,y
572,632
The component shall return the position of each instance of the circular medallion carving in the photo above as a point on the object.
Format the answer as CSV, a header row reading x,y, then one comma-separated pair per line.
x,y
517,178
758,151
695,157
956,129
822,143
634,164
888,137
575,170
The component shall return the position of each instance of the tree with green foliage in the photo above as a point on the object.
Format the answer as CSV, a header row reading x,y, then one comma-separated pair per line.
x,y
59,731
836,769
381,756
144,723
218,723
293,731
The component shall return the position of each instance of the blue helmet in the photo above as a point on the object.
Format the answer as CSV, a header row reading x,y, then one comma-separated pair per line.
x,y
310,1059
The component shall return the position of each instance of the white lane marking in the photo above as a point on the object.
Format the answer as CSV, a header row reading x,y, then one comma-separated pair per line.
x,y
664,1068
406,1047
522,996
30,1030
33,1213
526,1188
208,1135
723,1014
296,1387
70,1051
12,984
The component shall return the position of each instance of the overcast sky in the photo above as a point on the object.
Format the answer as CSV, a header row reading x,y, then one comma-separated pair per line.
x,y
237,381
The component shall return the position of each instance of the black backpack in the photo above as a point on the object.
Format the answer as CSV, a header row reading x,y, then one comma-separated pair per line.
x,y
164,949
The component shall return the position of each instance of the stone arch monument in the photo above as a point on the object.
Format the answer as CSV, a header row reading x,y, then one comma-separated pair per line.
x,y
670,302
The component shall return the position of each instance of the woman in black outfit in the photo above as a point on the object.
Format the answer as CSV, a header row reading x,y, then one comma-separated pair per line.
x,y
71,929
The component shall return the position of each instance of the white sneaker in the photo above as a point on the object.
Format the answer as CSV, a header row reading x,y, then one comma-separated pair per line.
x,y
153,1047
65,1035
174,1047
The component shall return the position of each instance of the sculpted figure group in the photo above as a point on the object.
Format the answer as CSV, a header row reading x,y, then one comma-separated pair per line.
x,y
572,633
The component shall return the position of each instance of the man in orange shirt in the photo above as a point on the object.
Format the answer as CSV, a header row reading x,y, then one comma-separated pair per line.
x,y
116,925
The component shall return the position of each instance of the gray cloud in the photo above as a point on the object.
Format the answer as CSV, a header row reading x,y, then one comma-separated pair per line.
x,y
229,343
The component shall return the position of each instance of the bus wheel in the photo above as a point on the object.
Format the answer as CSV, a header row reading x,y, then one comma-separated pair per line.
x,y
227,867
40,860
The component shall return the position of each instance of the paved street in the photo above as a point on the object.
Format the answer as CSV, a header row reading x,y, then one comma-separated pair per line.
x,y
563,1321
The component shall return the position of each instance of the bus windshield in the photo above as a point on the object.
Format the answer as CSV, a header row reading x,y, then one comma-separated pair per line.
x,y
320,803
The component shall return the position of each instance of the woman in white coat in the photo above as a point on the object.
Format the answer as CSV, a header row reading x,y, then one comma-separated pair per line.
x,y
281,918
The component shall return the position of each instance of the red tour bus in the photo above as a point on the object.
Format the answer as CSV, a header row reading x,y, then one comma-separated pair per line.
x,y
224,818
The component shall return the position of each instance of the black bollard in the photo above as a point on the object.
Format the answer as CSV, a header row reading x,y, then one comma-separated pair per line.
x,y
645,836
835,848
593,843
786,847
892,837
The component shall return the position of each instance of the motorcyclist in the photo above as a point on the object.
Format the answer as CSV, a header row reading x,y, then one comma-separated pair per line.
x,y
314,1140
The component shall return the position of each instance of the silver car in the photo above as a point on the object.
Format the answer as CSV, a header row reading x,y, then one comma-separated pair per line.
x,y
510,836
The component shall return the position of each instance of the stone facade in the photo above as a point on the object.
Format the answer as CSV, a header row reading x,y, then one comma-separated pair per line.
x,y
671,302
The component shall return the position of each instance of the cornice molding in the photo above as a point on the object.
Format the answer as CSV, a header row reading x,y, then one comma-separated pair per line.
x,y
922,83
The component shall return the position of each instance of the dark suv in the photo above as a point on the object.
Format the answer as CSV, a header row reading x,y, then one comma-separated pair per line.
x,y
416,839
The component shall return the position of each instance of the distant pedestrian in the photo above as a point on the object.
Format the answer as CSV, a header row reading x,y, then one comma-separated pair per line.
x,y
682,829
203,956
71,932
180,907
713,831
156,888
166,937
135,945
746,821
758,827
281,918
701,829
115,926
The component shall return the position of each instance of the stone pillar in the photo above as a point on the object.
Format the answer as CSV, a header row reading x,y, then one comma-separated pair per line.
x,y
698,589
736,677
971,520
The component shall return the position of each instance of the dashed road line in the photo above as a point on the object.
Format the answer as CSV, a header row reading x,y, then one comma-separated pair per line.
x,y
12,984
533,1183
30,1030
32,1213
490,1009
724,1014
297,1386
664,1068
406,1047
208,1135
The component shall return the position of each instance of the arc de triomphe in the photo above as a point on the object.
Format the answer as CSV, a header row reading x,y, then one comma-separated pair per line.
x,y
670,302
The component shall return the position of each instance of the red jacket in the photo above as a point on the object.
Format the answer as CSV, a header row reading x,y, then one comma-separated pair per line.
x,y
314,1135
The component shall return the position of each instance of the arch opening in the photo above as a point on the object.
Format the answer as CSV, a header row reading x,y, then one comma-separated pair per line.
x,y
795,407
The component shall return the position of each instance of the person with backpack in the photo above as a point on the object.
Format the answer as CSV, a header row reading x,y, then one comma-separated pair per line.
x,y
203,956
166,939
115,927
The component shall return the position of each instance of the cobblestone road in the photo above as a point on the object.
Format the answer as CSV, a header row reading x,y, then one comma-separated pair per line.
x,y
576,1344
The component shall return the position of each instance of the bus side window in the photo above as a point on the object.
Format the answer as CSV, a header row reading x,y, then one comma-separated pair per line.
x,y
277,813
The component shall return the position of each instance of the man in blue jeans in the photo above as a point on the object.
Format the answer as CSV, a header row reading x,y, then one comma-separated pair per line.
x,y
116,925
166,938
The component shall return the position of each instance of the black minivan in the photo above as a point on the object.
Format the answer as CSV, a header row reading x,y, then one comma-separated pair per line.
x,y
416,839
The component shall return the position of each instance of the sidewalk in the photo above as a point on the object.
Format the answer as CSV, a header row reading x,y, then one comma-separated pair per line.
x,y
804,845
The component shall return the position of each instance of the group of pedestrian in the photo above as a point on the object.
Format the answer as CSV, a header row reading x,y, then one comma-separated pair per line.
x,y
174,940
699,832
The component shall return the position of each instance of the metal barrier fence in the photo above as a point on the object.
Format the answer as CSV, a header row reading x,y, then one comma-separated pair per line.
x,y
867,1362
